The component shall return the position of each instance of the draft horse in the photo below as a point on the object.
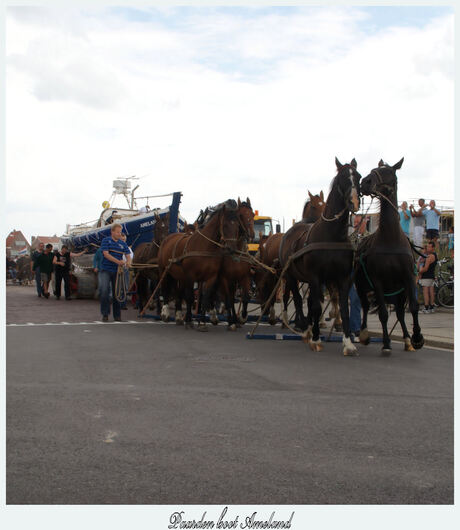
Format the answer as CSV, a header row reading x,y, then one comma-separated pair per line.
x,y
184,259
385,262
236,270
323,256
147,254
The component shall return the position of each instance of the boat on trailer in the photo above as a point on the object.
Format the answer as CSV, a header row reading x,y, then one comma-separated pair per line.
x,y
137,224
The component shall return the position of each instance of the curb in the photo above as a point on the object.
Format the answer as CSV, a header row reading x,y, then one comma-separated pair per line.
x,y
428,342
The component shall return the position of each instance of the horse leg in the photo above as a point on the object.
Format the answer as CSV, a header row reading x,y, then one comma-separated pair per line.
x,y
245,297
364,333
300,320
208,290
400,314
286,295
336,310
383,317
314,314
348,347
166,288
417,339
178,316
189,298
229,298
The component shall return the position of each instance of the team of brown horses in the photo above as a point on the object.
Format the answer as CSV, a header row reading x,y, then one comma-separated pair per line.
x,y
210,257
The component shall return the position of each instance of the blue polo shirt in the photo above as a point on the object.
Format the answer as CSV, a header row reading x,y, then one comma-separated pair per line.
x,y
432,219
115,249
405,223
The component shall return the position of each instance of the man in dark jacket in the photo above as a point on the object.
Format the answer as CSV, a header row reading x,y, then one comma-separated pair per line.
x,y
44,262
62,262
38,281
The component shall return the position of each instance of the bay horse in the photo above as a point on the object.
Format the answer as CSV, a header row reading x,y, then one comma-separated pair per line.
x,y
385,262
313,207
321,255
184,259
147,254
236,271
269,255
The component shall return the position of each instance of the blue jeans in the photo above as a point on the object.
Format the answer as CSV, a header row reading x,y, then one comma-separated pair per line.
x,y
355,310
123,304
38,281
105,279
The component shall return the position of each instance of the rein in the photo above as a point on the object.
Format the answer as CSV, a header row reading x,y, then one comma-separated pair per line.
x,y
336,216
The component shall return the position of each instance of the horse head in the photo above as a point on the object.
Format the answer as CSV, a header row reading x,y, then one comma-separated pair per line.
x,y
229,225
246,219
314,207
381,180
347,184
161,229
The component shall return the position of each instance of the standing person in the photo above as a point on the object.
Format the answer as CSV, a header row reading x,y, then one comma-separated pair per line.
x,y
45,262
404,218
38,281
432,215
123,305
419,222
450,237
113,248
62,261
426,275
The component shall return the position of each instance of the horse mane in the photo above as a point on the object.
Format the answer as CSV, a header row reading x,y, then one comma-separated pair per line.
x,y
205,216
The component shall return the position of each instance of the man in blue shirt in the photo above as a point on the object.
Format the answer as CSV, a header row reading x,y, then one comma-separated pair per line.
x,y
404,218
113,249
432,216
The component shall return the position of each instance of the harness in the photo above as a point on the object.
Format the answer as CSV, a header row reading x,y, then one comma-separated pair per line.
x,y
400,251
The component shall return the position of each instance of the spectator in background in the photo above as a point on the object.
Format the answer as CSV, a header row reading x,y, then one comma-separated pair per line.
x,y
38,281
432,216
404,218
419,222
45,263
450,237
426,277
145,209
62,261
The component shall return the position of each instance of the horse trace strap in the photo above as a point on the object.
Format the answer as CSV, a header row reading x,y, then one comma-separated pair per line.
x,y
369,280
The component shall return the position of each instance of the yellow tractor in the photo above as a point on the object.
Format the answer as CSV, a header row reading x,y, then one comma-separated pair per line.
x,y
262,227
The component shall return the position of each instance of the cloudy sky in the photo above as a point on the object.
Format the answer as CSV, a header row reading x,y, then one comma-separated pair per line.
x,y
221,102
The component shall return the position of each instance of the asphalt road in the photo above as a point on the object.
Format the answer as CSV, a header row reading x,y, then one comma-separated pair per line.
x,y
146,413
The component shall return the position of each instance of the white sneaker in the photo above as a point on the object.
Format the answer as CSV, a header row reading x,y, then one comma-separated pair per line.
x,y
431,310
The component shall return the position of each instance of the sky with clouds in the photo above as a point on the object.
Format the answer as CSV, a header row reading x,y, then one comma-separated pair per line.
x,y
219,103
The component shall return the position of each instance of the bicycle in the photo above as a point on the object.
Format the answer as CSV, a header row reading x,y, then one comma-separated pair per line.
x,y
444,285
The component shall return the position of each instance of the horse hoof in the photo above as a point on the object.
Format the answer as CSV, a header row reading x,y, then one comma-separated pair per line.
x,y
407,345
202,327
231,327
307,335
417,342
348,347
364,337
315,345
165,313
386,352
350,353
